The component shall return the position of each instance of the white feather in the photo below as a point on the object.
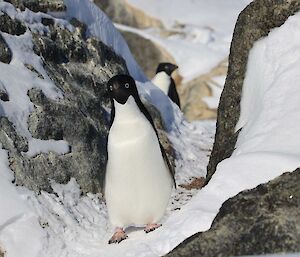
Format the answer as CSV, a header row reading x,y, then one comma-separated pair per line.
x,y
162,80
138,184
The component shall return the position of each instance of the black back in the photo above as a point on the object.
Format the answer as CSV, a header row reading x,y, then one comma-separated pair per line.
x,y
118,91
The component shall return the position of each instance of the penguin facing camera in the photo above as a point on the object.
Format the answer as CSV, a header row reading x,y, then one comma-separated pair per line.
x,y
139,177
165,82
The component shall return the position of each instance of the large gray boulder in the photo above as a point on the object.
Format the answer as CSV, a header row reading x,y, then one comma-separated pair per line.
x,y
258,221
253,23
80,68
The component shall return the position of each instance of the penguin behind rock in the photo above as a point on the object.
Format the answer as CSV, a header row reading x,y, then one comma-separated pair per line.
x,y
139,177
165,82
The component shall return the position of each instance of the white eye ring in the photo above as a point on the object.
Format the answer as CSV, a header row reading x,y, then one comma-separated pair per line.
x,y
127,85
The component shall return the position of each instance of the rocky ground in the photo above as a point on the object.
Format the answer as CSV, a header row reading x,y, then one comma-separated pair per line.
x,y
258,221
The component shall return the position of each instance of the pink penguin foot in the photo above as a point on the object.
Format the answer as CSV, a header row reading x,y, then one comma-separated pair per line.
x,y
118,236
151,227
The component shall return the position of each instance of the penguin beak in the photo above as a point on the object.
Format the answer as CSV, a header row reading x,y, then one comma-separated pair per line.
x,y
174,67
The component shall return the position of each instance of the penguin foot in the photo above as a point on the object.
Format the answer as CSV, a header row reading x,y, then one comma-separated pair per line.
x,y
151,227
118,236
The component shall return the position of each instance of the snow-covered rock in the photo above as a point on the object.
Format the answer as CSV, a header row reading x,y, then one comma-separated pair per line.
x,y
55,125
258,221
256,22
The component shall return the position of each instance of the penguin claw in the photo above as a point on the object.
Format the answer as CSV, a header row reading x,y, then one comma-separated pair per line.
x,y
151,227
118,237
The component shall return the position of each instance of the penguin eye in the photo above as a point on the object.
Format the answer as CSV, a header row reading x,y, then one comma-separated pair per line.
x,y
127,85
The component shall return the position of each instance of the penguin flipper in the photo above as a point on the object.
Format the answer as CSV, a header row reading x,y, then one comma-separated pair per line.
x,y
170,166
112,114
161,136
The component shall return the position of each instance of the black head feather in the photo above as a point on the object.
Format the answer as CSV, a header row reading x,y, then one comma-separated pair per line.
x,y
166,67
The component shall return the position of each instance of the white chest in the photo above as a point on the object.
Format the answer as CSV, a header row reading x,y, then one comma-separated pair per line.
x,y
162,80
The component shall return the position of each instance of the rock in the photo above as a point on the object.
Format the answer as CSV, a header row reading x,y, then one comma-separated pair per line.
x,y
4,96
121,11
39,5
31,68
3,93
5,52
79,67
1,253
147,54
196,183
253,23
193,92
9,138
258,221
47,21
11,26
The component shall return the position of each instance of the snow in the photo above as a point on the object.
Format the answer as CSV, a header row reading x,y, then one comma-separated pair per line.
x,y
200,31
16,219
68,224
37,146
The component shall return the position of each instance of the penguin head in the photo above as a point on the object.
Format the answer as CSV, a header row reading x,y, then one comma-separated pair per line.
x,y
120,87
166,67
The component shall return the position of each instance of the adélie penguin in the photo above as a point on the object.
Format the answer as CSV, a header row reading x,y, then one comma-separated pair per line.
x,y
165,82
139,177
